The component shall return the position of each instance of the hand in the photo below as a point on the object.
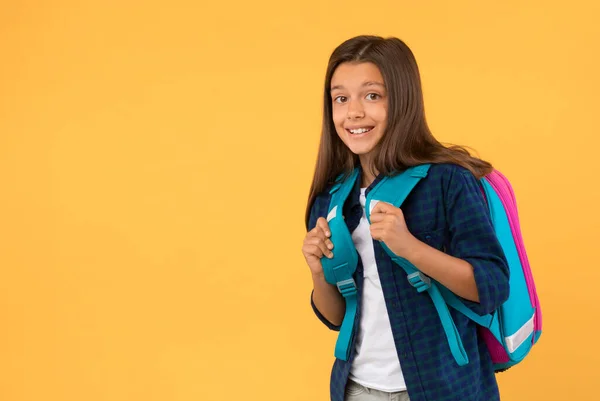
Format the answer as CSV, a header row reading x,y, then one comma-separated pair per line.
x,y
316,245
388,225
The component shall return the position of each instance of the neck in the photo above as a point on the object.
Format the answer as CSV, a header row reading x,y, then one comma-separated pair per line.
x,y
368,176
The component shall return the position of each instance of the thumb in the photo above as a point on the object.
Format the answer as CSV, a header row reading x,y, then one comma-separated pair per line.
x,y
383,207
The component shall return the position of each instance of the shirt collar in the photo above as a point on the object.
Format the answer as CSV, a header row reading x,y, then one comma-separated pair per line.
x,y
354,198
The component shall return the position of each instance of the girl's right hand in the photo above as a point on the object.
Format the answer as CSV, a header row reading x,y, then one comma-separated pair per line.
x,y
316,245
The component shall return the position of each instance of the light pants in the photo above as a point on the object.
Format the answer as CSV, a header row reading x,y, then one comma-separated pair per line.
x,y
357,392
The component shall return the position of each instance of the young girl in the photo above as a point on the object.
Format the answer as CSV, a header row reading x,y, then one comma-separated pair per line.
x,y
374,119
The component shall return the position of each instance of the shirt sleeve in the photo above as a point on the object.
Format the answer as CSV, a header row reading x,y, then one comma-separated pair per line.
x,y
473,239
319,209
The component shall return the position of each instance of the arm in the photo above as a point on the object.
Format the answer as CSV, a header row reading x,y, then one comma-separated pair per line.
x,y
327,302
453,273
473,240
474,267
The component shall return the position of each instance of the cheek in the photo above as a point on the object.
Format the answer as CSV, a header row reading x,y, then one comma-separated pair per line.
x,y
377,112
381,114
339,115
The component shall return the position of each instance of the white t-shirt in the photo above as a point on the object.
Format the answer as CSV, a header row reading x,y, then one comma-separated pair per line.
x,y
376,364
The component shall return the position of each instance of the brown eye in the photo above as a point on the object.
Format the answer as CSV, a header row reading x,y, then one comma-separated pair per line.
x,y
373,96
340,99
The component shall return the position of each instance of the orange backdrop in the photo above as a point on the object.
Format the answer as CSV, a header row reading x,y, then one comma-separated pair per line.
x,y
155,159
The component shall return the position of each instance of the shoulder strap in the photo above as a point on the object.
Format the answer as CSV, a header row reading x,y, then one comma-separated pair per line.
x,y
343,264
340,269
395,190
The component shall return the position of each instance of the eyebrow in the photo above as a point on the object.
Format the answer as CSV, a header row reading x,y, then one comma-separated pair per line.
x,y
369,83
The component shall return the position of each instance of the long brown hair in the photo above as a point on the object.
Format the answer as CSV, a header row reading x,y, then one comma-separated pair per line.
x,y
407,140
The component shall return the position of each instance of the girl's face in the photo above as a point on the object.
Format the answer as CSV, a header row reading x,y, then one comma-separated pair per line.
x,y
360,106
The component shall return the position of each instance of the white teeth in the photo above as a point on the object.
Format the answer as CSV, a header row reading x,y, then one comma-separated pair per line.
x,y
360,130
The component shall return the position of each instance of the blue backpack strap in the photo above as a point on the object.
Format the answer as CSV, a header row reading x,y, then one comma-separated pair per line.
x,y
340,269
453,301
395,190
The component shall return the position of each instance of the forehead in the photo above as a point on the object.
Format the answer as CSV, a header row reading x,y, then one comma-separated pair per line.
x,y
351,75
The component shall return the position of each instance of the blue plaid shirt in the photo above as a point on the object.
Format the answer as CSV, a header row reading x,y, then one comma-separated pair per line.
x,y
447,211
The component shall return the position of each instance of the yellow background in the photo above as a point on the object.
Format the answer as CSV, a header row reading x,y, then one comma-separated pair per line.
x,y
155,159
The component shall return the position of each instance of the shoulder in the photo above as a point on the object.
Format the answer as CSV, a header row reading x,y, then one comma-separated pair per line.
x,y
449,171
319,207
452,178
448,184
322,199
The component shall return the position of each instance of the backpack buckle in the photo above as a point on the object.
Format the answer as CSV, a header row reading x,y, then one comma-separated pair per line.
x,y
347,287
420,281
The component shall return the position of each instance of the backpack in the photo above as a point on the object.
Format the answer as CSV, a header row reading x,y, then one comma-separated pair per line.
x,y
509,332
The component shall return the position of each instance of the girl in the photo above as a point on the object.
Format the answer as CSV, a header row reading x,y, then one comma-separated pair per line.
x,y
374,119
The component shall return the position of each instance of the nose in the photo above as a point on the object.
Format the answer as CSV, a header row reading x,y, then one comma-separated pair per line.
x,y
355,110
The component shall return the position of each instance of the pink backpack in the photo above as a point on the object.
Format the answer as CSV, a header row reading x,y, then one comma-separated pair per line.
x,y
520,315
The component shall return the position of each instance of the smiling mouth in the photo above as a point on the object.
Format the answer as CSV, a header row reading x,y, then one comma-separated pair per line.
x,y
359,131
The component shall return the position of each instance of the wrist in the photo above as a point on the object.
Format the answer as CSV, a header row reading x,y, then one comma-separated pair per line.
x,y
415,250
318,276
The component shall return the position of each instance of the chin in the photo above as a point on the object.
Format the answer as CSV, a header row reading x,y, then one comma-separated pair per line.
x,y
361,152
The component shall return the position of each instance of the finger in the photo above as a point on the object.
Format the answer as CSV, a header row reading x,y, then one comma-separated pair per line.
x,y
316,232
320,235
326,232
312,251
378,217
382,217
322,223
385,208
376,233
320,244
380,207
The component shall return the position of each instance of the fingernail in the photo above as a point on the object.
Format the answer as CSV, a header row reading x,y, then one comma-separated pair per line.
x,y
328,233
330,254
330,246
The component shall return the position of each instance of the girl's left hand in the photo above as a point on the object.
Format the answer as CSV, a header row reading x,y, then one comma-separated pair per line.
x,y
388,225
